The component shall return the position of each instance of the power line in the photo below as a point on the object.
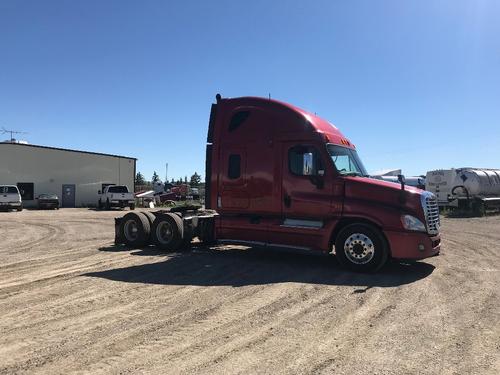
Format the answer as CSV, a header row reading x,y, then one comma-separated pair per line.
x,y
12,132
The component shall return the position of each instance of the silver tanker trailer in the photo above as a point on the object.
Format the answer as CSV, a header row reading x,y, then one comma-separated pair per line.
x,y
476,189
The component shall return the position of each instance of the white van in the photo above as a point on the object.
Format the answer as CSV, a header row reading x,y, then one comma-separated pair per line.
x,y
10,198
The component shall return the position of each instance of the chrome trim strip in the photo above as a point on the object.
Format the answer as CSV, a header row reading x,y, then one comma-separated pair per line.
x,y
263,244
289,246
301,223
242,242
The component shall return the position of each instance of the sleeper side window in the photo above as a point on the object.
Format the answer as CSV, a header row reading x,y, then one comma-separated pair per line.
x,y
238,119
234,166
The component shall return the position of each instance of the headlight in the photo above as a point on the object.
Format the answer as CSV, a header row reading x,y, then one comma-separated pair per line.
x,y
412,223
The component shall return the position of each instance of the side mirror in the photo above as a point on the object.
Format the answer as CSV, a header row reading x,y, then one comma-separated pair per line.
x,y
307,164
402,181
99,192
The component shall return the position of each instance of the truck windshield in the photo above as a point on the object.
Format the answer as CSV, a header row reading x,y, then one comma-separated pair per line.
x,y
346,161
118,189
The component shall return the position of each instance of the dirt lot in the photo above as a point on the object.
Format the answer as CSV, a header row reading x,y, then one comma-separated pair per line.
x,y
71,302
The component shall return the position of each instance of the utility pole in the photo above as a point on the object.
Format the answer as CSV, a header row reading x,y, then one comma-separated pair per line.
x,y
166,172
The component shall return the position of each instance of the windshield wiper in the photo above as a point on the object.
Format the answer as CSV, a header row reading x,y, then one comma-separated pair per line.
x,y
352,174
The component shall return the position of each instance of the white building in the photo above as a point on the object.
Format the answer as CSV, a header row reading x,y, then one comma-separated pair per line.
x,y
75,176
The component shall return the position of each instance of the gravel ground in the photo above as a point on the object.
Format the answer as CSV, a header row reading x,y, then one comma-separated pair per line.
x,y
71,302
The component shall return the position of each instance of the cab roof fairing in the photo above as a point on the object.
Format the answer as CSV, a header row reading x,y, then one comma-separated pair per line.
x,y
328,131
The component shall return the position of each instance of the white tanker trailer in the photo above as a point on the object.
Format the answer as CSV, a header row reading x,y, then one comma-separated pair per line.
x,y
466,188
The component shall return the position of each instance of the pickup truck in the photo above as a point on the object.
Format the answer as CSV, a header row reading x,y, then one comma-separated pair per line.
x,y
116,196
10,198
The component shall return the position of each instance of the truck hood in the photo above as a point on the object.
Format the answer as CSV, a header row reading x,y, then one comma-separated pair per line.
x,y
389,185
386,193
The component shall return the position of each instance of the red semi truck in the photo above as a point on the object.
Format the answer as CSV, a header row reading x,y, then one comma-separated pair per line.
x,y
280,177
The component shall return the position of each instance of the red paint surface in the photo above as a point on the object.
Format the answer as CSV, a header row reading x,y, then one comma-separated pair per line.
x,y
253,206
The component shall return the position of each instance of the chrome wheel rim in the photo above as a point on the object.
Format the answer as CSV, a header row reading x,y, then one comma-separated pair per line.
x,y
164,232
130,230
359,248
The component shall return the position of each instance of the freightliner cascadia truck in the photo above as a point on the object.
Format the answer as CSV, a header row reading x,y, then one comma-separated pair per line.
x,y
280,177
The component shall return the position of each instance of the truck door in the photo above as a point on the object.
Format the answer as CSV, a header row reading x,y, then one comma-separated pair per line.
x,y
233,200
307,197
306,185
233,180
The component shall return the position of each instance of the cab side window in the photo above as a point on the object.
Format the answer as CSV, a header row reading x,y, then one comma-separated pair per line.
x,y
305,161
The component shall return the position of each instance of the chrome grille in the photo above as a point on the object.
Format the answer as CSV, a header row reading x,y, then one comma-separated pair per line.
x,y
431,211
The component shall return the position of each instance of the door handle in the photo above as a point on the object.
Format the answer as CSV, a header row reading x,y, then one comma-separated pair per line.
x,y
287,200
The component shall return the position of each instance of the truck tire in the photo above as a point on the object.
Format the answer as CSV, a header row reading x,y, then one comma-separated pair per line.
x,y
19,209
132,207
167,232
151,217
361,248
135,230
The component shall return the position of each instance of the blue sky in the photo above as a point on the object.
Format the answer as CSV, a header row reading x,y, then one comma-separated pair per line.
x,y
414,84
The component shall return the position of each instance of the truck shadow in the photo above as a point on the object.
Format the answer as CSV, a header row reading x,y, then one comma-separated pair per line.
x,y
254,266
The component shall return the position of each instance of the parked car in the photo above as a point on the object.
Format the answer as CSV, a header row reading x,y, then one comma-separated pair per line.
x,y
10,199
116,196
49,201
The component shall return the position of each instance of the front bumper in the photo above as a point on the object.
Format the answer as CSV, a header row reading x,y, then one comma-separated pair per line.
x,y
124,203
413,245
10,205
48,204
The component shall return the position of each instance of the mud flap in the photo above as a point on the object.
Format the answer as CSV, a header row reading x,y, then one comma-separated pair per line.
x,y
119,240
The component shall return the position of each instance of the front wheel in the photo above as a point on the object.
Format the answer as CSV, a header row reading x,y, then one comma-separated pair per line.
x,y
361,248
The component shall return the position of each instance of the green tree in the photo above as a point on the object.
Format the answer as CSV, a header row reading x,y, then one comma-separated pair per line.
x,y
139,179
195,179
155,177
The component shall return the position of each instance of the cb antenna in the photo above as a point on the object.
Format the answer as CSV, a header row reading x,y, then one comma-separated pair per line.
x,y
12,132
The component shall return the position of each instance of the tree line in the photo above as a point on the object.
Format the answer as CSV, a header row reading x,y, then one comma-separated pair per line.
x,y
195,179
